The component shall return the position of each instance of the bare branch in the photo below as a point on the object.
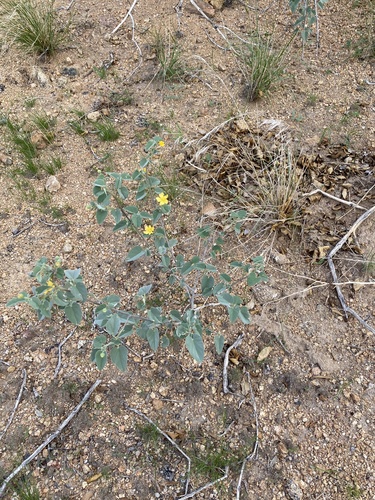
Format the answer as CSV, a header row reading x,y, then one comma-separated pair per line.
x,y
208,485
24,375
349,203
50,438
332,268
255,447
134,410
57,369
125,18
226,361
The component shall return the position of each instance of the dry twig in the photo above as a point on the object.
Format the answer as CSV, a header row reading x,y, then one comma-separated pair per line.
x,y
125,18
255,447
332,268
349,203
137,412
24,375
57,369
49,439
208,485
226,361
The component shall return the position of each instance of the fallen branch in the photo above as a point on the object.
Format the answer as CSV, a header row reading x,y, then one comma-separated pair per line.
x,y
208,485
125,18
226,361
57,369
332,268
50,438
24,375
137,412
255,447
349,203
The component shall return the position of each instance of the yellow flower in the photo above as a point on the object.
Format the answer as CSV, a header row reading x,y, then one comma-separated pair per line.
x,y
50,285
148,229
162,199
161,144
20,296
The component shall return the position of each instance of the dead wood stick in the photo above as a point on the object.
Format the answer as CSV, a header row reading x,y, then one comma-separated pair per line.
x,y
255,447
332,268
57,369
24,375
125,18
50,438
226,361
208,485
138,412
349,203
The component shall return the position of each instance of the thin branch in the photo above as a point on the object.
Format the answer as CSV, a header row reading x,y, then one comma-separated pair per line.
x,y
134,410
57,369
24,375
349,203
317,27
208,485
255,447
50,438
226,361
332,268
125,18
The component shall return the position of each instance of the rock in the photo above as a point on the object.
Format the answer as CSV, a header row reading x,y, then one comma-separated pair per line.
x,y
52,184
5,160
67,248
217,4
38,75
94,116
293,491
38,140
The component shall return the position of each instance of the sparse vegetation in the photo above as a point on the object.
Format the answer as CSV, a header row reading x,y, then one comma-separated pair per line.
x,y
106,130
32,25
169,57
262,63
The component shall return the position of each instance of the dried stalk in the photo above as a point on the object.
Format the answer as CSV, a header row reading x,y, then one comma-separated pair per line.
x,y
332,268
49,439
24,375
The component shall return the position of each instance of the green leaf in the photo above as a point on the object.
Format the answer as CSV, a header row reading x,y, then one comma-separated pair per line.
x,y
165,342
123,192
166,261
116,214
113,325
153,338
244,315
125,332
225,277
132,209
194,344
99,341
112,300
207,284
136,220
144,162
189,266
101,215
136,253
154,314
119,356
226,299
120,225
17,300
252,279
204,232
239,214
144,290
100,359
72,274
175,315
74,313
219,343
233,313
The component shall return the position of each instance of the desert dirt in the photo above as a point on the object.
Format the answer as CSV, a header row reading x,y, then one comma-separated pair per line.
x,y
304,415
